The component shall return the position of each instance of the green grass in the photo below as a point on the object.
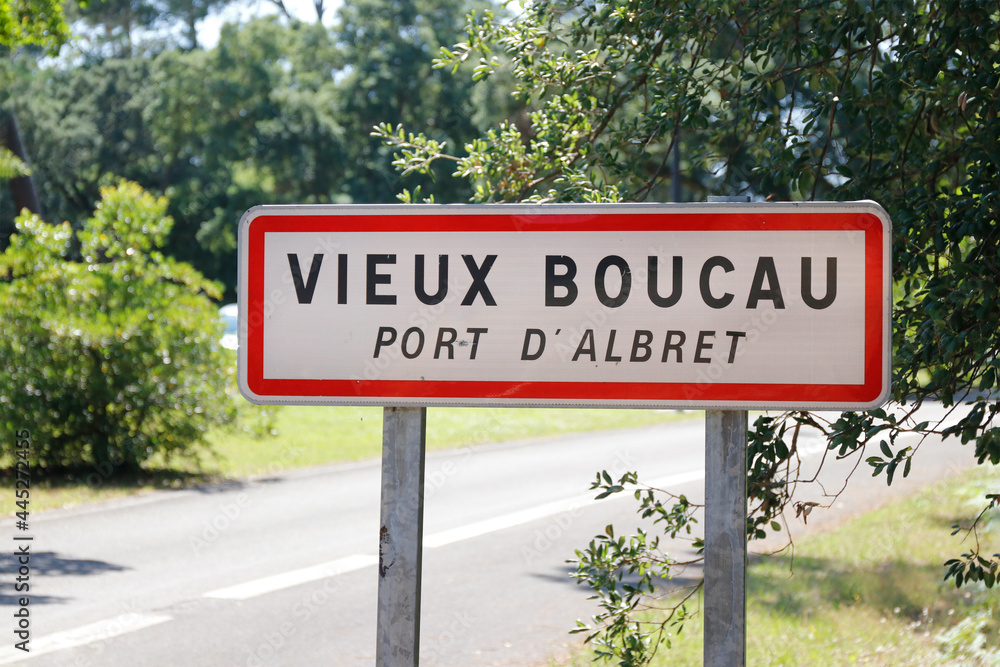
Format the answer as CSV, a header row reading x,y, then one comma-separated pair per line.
x,y
308,436
870,592
317,435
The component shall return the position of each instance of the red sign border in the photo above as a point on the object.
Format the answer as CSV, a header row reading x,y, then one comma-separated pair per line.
x,y
866,217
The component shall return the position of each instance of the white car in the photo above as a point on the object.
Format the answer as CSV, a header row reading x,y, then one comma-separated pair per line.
x,y
229,314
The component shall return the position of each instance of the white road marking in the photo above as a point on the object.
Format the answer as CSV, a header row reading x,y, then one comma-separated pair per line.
x,y
540,512
486,526
277,582
109,628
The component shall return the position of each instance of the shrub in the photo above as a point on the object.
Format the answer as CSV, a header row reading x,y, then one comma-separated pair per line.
x,y
110,351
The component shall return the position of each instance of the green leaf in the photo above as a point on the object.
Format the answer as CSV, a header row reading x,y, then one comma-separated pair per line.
x,y
885,449
845,171
988,380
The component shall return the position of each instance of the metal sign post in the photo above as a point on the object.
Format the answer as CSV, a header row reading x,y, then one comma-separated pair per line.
x,y
725,538
401,536
725,532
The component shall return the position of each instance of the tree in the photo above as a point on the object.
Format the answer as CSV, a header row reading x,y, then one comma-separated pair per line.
x,y
189,13
886,100
126,28
118,21
390,46
115,357
31,23
273,133
40,23
253,120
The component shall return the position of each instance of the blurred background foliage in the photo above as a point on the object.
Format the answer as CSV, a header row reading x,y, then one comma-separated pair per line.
x,y
115,355
275,111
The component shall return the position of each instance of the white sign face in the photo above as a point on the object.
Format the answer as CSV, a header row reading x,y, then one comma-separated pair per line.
x,y
699,305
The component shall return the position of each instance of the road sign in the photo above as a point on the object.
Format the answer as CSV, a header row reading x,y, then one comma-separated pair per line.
x,y
644,305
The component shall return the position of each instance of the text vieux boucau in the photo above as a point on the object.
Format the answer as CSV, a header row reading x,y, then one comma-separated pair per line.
x,y
562,288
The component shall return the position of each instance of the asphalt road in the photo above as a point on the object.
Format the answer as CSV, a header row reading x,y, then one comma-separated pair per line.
x,y
280,570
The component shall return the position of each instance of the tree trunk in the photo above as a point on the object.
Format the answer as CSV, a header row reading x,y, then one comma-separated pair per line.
x,y
22,188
